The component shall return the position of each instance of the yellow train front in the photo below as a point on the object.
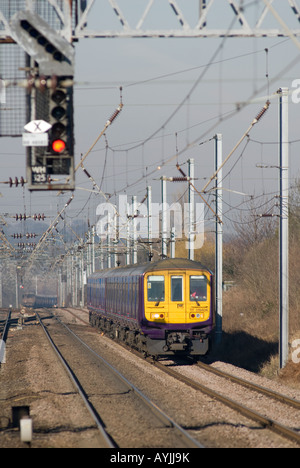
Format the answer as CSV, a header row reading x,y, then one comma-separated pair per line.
x,y
163,308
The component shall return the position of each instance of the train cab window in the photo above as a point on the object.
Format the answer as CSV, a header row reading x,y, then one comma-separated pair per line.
x,y
176,288
156,288
198,288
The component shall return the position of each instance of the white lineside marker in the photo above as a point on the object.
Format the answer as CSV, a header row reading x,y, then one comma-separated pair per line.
x,y
26,429
2,352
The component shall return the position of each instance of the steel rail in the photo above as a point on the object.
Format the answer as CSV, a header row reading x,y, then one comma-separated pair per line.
x,y
71,312
265,422
252,386
7,320
163,417
4,336
103,434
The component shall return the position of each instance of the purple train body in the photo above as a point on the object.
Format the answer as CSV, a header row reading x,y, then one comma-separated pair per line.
x,y
162,308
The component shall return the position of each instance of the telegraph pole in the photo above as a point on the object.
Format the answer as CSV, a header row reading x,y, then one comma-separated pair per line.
x,y
108,240
219,238
134,229
93,250
191,174
150,221
128,240
164,233
115,240
284,227
173,243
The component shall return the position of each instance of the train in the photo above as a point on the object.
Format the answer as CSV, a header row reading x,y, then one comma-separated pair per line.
x,y
36,301
161,308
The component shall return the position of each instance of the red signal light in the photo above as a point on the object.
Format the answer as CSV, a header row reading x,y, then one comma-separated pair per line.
x,y
58,146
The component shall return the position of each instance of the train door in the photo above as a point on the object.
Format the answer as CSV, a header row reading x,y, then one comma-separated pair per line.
x,y
156,298
177,298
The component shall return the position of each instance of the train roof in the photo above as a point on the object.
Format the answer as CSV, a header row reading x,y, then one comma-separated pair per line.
x,y
140,269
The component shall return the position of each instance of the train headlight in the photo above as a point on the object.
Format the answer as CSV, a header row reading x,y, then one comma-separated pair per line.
x,y
197,316
157,316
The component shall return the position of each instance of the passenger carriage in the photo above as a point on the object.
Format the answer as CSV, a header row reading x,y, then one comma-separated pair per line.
x,y
161,308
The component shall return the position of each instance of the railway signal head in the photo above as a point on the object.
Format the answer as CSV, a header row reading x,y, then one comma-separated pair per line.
x,y
58,146
55,57
57,156
61,135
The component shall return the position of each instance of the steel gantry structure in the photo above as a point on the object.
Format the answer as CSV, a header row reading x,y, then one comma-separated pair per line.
x,y
160,18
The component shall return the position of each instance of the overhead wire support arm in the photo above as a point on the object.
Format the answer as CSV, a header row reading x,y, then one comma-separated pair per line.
x,y
52,225
197,191
95,185
108,123
246,134
100,192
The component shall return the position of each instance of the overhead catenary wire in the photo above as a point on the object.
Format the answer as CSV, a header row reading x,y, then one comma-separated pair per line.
x,y
187,97
52,225
202,198
107,124
226,116
253,123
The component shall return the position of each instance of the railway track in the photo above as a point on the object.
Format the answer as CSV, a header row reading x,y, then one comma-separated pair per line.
x,y
264,421
104,438
5,317
291,434
180,437
252,386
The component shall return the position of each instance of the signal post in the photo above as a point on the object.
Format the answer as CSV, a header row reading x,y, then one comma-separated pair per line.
x,y
50,133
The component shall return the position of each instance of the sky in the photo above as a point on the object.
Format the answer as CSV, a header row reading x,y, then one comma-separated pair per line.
x,y
177,95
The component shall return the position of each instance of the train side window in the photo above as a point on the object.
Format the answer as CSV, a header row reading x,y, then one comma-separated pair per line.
x,y
176,288
127,295
198,288
135,296
156,288
102,293
121,295
124,297
137,301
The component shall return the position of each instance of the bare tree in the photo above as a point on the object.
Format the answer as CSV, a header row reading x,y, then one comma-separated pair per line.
x,y
256,223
